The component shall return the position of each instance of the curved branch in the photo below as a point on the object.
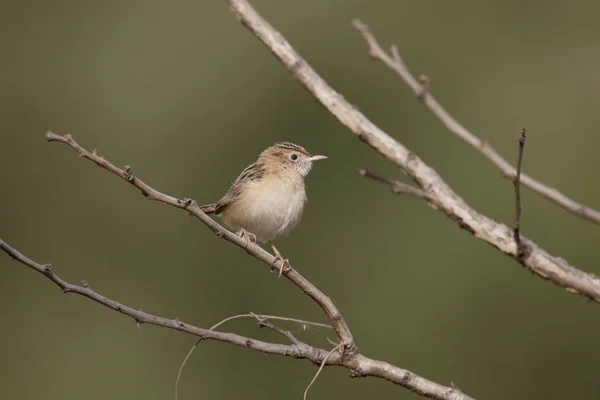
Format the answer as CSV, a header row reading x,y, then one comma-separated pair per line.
x,y
438,192
298,349
359,364
338,322
349,357
396,64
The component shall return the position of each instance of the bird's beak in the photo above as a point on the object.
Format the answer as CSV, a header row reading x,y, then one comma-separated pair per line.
x,y
316,158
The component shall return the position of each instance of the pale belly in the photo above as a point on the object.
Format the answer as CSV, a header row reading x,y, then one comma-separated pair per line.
x,y
268,211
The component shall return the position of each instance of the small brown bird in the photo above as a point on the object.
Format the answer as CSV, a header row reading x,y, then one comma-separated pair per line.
x,y
267,199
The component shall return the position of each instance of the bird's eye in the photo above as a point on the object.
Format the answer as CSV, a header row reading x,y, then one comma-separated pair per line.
x,y
294,157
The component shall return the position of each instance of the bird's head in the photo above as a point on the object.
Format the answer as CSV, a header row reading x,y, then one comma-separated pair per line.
x,y
290,157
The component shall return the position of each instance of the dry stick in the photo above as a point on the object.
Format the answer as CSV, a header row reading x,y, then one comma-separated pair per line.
x,y
259,317
359,364
319,371
189,353
338,322
439,194
517,185
396,186
299,350
349,358
421,90
264,323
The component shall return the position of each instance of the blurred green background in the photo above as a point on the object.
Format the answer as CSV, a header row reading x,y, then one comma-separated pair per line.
x,y
183,93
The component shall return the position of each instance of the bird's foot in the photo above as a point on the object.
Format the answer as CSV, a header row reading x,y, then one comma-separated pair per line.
x,y
285,263
248,236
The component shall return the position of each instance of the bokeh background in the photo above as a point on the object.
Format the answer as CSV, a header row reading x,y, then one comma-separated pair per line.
x,y
183,93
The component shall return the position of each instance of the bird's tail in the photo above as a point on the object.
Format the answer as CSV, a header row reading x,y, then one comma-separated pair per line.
x,y
209,208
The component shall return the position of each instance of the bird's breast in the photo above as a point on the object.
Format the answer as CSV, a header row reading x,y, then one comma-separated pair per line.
x,y
272,207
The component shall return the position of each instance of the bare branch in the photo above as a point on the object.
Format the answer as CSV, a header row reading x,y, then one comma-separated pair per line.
x,y
356,362
299,350
397,186
338,322
420,89
438,192
350,357
517,185
262,322
251,315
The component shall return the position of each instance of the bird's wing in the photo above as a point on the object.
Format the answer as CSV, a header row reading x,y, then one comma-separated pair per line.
x,y
252,173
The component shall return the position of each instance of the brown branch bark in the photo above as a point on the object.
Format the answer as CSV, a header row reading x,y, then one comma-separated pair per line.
x,y
338,322
421,90
349,355
438,193
300,350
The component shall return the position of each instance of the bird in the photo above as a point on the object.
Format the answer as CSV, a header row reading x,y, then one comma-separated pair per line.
x,y
267,199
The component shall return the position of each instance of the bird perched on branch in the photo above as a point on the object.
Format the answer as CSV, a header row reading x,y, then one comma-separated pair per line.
x,y
267,199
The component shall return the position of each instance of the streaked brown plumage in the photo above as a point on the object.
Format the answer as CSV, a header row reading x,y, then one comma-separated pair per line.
x,y
267,199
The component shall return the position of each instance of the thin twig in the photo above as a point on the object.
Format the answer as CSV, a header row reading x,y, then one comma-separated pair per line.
x,y
294,320
439,194
319,370
335,317
420,88
517,185
189,353
250,315
262,322
396,186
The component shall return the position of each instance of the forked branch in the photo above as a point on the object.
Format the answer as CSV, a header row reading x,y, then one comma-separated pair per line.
x,y
300,350
438,193
338,322
420,88
345,352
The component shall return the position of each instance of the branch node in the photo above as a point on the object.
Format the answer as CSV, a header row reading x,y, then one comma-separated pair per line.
x,y
85,284
360,26
356,374
483,144
396,55
406,377
186,202
296,67
219,233
48,268
128,176
424,80
412,157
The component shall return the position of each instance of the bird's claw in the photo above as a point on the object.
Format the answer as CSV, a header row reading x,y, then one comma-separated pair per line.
x,y
249,236
285,265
